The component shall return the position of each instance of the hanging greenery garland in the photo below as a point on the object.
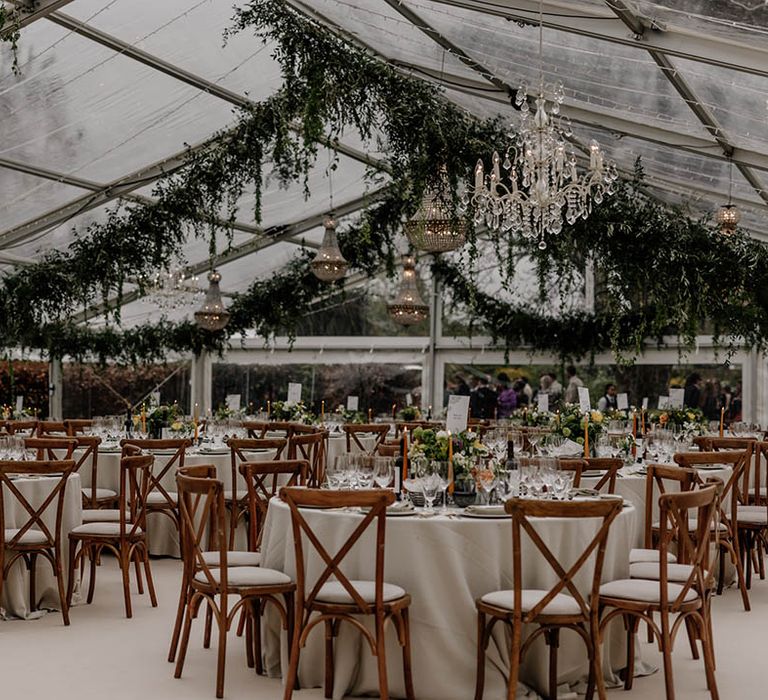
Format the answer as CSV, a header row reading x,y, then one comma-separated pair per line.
x,y
661,271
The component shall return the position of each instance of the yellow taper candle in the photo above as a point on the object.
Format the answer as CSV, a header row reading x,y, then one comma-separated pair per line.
x,y
405,455
450,462
586,435
722,420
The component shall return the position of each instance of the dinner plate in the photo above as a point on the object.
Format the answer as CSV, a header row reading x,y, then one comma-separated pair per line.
x,y
708,467
485,512
593,473
217,451
485,516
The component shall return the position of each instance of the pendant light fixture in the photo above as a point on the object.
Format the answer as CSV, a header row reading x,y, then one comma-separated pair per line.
x,y
728,215
432,229
329,264
212,315
408,307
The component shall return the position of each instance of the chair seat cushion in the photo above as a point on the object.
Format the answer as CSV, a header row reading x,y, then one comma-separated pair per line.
x,y
247,576
241,494
753,515
678,573
233,558
693,524
100,493
102,515
104,529
157,498
637,556
643,590
29,537
561,604
334,593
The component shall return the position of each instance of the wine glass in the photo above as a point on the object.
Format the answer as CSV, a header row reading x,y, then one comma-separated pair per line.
x,y
443,472
430,485
383,469
365,471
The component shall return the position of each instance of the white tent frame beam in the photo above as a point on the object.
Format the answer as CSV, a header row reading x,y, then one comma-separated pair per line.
x,y
31,11
587,21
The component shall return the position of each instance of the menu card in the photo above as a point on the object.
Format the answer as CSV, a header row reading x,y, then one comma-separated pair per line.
x,y
622,402
408,399
19,403
155,398
233,402
353,403
294,392
458,414
663,401
645,403
543,401
585,404
676,398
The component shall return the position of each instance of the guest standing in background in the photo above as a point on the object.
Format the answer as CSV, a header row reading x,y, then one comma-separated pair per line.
x,y
522,396
710,401
608,401
482,400
574,382
692,397
555,389
507,397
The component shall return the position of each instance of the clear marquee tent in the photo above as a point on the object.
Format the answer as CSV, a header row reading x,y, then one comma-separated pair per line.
x,y
112,92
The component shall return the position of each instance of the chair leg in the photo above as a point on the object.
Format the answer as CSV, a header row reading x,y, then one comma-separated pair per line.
x,y
666,650
150,581
407,670
137,564
596,658
185,638
480,674
514,662
709,657
632,625
125,570
62,594
381,658
177,625
92,554
222,655
71,571
256,610
249,660
291,677
329,630
690,628
32,566
721,572
208,625
241,622
552,640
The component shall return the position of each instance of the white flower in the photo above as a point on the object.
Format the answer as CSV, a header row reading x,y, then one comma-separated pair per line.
x,y
442,434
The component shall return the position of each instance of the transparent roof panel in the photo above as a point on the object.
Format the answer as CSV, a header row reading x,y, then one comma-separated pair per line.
x,y
387,32
80,108
189,35
26,196
612,77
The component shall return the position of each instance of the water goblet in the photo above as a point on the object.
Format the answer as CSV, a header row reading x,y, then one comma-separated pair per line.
x,y
382,471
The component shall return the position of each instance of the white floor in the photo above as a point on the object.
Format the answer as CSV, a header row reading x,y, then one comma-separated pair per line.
x,y
104,656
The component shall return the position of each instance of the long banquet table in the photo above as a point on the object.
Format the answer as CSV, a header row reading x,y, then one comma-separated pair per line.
x,y
445,563
15,597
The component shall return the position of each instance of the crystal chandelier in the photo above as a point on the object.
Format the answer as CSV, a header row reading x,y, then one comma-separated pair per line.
x,y
212,315
329,264
408,307
728,215
537,186
173,289
432,228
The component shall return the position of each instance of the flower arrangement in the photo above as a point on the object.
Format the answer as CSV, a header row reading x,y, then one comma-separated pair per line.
x,y
223,412
531,417
570,423
347,416
10,413
433,445
409,413
615,414
690,420
296,412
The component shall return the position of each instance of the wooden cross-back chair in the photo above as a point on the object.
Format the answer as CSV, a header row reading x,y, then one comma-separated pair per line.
x,y
611,465
390,448
726,537
125,537
50,448
562,606
21,427
681,589
264,480
310,447
577,466
159,498
77,426
352,431
236,500
33,538
259,429
51,428
94,497
333,597
658,480
203,525
752,518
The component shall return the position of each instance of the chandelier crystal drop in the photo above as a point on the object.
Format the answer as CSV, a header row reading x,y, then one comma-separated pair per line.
x,y
408,307
173,289
329,264
212,315
432,229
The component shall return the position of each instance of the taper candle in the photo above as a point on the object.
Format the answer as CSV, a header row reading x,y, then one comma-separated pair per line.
x,y
586,435
722,420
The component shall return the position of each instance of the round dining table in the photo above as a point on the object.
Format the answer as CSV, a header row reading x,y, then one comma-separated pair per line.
x,y
445,562
14,601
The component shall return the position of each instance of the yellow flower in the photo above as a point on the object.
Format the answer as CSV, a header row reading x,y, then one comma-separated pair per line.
x,y
176,426
690,415
597,417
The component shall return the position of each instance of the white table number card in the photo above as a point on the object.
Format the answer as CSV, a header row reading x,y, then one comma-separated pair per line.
x,y
645,403
676,398
409,399
663,402
353,402
233,402
155,398
19,404
584,402
622,402
294,392
458,414
543,401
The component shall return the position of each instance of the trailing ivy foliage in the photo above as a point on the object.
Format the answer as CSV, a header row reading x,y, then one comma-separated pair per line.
x,y
660,271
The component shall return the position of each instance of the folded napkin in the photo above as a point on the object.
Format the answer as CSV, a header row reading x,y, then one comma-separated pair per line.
x,y
584,493
486,510
399,506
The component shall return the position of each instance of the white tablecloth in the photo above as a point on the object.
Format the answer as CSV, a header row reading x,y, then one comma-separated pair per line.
x,y
15,598
445,564
337,445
